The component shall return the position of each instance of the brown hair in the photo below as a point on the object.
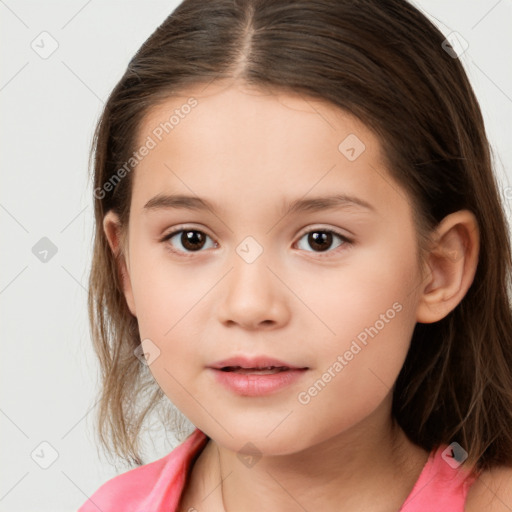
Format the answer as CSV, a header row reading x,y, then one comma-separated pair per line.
x,y
382,61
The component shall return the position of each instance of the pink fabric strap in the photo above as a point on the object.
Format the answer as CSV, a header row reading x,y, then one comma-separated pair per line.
x,y
439,486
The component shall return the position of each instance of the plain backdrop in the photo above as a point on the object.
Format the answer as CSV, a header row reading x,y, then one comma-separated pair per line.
x,y
49,107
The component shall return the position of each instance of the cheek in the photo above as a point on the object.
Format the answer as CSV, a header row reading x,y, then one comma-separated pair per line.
x,y
164,291
357,368
376,286
169,299
368,315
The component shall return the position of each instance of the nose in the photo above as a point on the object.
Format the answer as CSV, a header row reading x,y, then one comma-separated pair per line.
x,y
252,296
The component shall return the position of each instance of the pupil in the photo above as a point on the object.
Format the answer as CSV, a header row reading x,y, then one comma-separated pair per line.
x,y
318,239
190,238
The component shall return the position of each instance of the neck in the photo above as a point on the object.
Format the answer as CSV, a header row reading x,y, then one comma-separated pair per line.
x,y
373,466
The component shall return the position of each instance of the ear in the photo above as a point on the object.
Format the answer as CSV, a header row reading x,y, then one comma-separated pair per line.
x,y
451,263
112,229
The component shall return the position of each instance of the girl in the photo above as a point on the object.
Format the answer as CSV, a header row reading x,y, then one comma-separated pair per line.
x,y
300,244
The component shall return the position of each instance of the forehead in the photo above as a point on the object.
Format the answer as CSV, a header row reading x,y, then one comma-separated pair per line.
x,y
249,112
217,140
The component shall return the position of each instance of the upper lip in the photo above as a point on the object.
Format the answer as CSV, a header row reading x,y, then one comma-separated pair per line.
x,y
253,362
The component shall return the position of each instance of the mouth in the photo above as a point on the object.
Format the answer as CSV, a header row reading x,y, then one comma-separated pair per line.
x,y
269,370
256,379
257,365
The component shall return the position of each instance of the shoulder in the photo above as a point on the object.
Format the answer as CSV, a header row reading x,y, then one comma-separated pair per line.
x,y
491,491
144,487
128,488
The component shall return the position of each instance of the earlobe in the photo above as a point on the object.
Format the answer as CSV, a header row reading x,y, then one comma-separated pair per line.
x,y
112,230
452,264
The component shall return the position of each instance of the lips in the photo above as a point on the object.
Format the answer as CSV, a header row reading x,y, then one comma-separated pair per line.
x,y
256,376
260,364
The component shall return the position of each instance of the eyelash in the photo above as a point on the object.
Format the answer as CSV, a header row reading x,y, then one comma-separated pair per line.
x,y
181,229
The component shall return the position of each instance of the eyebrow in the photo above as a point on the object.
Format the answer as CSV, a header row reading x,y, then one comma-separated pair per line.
x,y
314,204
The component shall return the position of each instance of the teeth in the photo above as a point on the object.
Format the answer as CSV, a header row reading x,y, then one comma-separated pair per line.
x,y
262,371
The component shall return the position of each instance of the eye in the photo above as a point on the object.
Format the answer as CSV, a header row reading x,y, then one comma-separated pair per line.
x,y
193,240
322,239
190,239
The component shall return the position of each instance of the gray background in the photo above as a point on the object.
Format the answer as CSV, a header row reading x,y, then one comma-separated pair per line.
x,y
49,108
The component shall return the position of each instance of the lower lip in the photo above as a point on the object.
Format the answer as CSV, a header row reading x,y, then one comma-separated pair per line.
x,y
257,385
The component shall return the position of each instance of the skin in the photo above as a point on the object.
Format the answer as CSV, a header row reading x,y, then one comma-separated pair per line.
x,y
248,151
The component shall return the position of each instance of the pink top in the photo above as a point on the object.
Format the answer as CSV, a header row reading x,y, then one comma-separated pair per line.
x,y
157,486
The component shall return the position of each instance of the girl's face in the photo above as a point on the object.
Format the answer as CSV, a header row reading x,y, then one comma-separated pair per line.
x,y
250,281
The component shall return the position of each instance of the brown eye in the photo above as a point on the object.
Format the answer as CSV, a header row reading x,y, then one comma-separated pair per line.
x,y
187,240
320,240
